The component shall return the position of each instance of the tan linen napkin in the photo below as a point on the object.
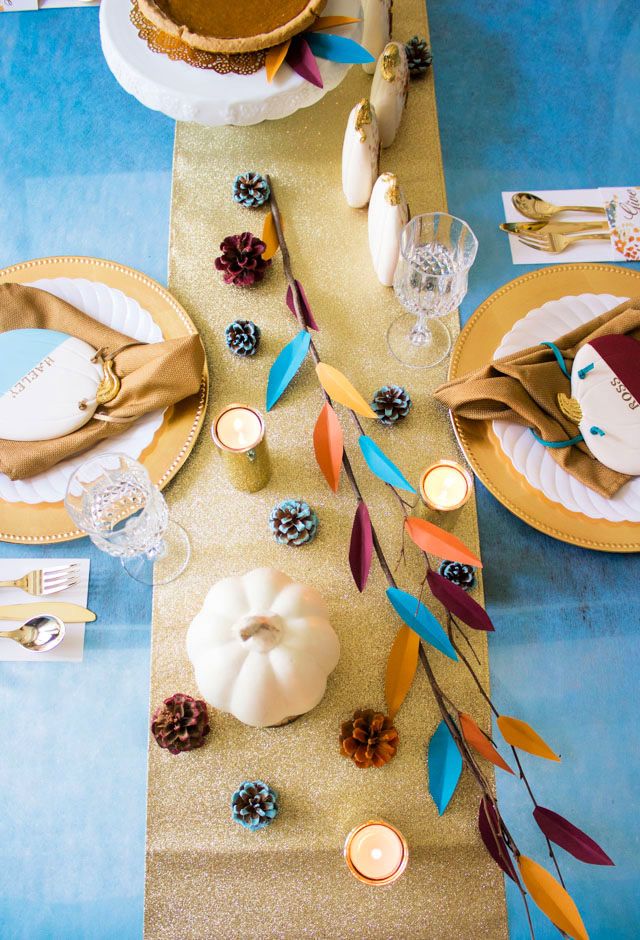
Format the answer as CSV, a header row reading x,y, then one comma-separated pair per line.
x,y
153,375
523,388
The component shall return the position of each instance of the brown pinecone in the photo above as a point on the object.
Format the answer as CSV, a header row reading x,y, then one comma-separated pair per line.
x,y
241,259
369,739
181,723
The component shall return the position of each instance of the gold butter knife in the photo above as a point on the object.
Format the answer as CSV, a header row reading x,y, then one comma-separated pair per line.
x,y
553,228
70,613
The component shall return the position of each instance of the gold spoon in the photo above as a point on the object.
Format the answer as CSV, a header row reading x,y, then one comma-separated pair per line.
x,y
532,207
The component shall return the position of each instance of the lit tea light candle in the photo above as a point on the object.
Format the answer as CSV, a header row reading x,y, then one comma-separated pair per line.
x,y
239,434
376,852
446,486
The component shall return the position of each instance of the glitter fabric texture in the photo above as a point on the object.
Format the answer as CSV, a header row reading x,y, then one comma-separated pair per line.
x,y
206,876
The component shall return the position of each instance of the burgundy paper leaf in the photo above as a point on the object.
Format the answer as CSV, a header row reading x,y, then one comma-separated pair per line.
x,y
493,841
458,602
302,60
307,313
573,840
361,546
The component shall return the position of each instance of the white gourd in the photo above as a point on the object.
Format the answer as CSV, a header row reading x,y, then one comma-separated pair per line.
x,y
376,29
360,154
48,384
262,647
605,403
388,214
389,90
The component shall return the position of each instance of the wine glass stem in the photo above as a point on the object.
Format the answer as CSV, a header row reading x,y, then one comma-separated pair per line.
x,y
420,334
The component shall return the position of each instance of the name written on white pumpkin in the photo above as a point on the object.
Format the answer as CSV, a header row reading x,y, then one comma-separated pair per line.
x,y
625,394
32,376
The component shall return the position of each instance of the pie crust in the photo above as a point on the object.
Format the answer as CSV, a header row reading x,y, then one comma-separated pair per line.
x,y
230,26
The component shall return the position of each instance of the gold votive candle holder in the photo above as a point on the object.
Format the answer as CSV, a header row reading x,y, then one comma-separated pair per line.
x,y
376,853
239,435
445,486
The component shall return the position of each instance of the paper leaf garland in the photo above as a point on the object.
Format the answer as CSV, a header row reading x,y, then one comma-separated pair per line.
x,y
328,22
307,313
270,237
361,546
458,602
493,841
435,541
302,60
328,444
338,386
381,466
521,735
480,742
421,620
401,668
551,898
445,767
573,840
338,48
274,59
285,367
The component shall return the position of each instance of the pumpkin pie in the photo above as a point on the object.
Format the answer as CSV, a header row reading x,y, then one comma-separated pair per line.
x,y
232,27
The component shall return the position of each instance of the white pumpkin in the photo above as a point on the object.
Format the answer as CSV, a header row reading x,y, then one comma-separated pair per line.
x,y
388,215
376,29
262,647
605,402
360,154
389,90
48,384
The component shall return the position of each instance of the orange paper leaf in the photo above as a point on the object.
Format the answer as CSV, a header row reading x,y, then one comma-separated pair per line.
x,y
275,58
338,386
328,444
551,898
401,668
436,541
270,236
480,742
520,734
328,22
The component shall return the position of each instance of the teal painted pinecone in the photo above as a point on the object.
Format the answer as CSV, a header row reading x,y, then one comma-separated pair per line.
x,y
243,337
391,403
457,573
251,190
254,804
293,522
419,56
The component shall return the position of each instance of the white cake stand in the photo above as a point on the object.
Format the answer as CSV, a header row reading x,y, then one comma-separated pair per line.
x,y
190,94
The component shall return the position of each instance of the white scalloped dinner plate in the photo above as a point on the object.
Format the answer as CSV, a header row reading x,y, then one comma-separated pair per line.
x,y
532,459
32,511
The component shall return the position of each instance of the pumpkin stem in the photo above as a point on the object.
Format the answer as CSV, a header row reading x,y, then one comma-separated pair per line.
x,y
261,631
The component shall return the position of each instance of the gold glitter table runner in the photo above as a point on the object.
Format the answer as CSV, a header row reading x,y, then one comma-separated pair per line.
x,y
207,876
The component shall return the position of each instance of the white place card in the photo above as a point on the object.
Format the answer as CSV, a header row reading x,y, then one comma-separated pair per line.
x,y
72,647
25,6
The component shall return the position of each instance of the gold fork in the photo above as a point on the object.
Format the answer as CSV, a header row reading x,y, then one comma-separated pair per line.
x,y
46,580
554,243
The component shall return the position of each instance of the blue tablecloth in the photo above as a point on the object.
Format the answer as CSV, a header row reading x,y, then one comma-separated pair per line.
x,y
530,95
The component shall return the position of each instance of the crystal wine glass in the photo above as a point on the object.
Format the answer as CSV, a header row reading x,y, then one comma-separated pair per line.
x,y
436,252
112,499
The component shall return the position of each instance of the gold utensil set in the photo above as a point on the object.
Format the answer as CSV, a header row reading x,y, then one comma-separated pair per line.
x,y
547,234
44,623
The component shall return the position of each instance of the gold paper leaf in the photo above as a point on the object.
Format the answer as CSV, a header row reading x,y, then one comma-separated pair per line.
x,y
338,386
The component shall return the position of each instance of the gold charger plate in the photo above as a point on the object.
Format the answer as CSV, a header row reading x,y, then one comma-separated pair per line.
x,y
475,347
172,443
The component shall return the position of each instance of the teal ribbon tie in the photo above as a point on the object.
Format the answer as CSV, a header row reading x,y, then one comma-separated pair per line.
x,y
557,444
556,352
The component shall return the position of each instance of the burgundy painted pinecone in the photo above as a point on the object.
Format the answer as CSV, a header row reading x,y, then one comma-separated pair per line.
x,y
241,260
181,723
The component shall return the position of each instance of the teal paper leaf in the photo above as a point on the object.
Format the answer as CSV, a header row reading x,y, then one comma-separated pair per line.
x,y
337,48
285,367
420,620
381,466
445,766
